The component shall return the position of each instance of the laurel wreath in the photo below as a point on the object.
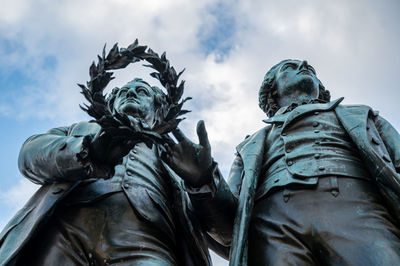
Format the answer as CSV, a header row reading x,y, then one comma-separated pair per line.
x,y
119,125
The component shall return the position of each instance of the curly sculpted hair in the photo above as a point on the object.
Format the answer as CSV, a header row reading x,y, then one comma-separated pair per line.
x,y
267,95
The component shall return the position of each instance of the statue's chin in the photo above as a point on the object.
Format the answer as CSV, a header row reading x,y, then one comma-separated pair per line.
x,y
307,84
306,87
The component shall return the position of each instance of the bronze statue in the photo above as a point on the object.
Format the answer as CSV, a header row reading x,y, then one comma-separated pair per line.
x,y
106,196
319,185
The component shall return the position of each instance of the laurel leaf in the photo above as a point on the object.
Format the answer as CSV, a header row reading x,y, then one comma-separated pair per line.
x,y
84,107
178,94
113,52
104,52
179,74
83,87
93,70
182,112
120,124
164,56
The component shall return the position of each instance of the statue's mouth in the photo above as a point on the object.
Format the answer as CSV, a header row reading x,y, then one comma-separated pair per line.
x,y
132,100
304,71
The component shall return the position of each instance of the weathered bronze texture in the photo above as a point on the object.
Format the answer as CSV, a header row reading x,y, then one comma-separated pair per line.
x,y
106,195
319,185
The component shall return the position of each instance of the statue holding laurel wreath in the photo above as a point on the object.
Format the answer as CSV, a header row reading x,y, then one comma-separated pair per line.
x,y
106,195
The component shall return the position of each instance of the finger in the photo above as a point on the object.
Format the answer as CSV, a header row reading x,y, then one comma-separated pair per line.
x,y
165,157
202,134
168,149
178,134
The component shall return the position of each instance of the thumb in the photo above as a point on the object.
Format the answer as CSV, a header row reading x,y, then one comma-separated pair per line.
x,y
202,134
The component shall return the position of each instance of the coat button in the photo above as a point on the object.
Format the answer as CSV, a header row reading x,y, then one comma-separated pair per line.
x,y
276,180
288,150
315,124
129,173
289,163
317,156
317,142
284,134
316,131
126,185
321,168
316,113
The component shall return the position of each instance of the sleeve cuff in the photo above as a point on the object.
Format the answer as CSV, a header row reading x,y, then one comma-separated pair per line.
x,y
208,189
83,156
90,168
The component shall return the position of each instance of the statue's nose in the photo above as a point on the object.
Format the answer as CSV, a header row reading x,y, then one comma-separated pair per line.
x,y
131,92
304,64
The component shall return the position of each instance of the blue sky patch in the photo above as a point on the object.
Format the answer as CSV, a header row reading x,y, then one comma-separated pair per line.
x,y
216,35
10,46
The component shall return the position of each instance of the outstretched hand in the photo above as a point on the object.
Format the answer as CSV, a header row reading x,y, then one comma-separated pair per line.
x,y
189,160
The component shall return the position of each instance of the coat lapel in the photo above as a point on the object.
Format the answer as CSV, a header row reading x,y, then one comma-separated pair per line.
x,y
354,119
34,214
251,151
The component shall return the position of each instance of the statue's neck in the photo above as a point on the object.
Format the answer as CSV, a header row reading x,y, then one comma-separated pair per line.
x,y
295,99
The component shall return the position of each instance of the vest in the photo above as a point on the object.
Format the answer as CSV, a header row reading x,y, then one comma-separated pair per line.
x,y
311,146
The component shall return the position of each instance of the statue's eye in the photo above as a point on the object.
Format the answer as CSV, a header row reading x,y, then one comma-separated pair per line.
x,y
122,91
312,69
289,66
143,91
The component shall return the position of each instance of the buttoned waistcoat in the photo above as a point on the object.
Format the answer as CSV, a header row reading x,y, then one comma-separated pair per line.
x,y
63,175
377,141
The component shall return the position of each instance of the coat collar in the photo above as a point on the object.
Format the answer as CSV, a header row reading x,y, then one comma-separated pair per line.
x,y
353,117
286,118
254,140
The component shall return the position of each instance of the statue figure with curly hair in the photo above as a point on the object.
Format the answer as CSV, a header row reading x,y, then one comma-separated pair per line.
x,y
319,185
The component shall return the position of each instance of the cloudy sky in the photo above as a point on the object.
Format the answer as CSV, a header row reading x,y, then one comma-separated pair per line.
x,y
226,47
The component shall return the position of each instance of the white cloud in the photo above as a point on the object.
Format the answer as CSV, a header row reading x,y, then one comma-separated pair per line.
x,y
18,194
13,11
353,46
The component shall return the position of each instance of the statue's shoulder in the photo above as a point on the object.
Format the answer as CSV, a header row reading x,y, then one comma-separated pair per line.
x,y
260,134
353,108
83,128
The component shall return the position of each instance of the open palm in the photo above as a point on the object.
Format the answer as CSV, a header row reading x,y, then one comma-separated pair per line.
x,y
189,160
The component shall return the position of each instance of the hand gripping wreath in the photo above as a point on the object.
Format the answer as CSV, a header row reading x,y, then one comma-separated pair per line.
x,y
119,124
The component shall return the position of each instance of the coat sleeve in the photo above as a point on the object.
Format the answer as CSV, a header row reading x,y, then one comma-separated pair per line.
x,y
391,139
59,155
216,207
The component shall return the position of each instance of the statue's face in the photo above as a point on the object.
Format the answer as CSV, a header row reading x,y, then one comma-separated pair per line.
x,y
137,100
296,81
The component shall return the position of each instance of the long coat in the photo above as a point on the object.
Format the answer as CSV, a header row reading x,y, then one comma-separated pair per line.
x,y
379,146
56,147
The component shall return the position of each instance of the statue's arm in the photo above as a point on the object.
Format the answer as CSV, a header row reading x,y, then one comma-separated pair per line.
x,y
212,198
216,207
57,155
391,139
